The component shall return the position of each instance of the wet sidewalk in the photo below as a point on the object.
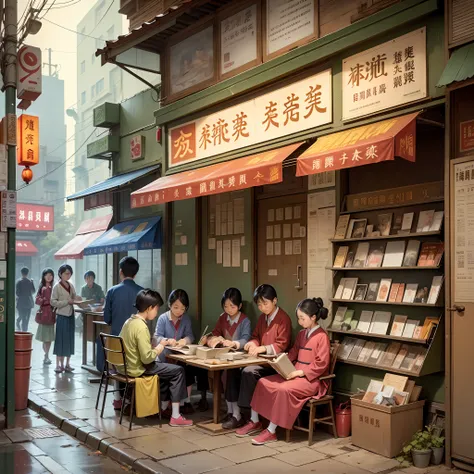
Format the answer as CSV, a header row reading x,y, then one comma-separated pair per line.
x,y
68,402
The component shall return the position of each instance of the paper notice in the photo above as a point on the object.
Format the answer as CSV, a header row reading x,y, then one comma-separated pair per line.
x,y
269,249
239,216
3,245
302,231
178,261
296,230
288,213
3,269
184,240
269,232
218,219
271,215
2,285
219,252
287,231
226,253
277,231
296,247
297,212
184,259
242,241
288,247
279,214
230,218
277,247
211,243
273,272
245,265
236,253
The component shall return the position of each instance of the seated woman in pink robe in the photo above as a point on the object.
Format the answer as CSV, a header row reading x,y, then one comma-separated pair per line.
x,y
280,400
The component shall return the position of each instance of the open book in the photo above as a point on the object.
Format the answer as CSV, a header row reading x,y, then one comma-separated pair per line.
x,y
283,365
189,349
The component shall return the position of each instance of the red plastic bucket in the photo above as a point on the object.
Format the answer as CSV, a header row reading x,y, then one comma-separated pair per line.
x,y
23,340
23,359
22,384
343,420
23,350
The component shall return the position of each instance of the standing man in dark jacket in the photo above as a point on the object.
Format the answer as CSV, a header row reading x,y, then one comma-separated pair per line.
x,y
24,300
120,305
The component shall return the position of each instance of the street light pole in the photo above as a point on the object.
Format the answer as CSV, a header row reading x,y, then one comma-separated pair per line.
x,y
9,79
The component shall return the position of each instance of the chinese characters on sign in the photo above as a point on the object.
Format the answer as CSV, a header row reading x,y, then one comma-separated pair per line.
x,y
34,217
463,232
28,140
389,75
137,147
466,142
289,22
239,39
300,106
7,211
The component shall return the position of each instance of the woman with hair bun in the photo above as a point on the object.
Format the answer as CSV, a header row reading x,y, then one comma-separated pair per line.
x,y
280,400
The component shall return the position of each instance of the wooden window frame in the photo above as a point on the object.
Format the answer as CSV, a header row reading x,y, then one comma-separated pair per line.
x,y
296,44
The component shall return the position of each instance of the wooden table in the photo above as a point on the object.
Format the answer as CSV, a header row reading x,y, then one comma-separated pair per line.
x,y
93,324
213,425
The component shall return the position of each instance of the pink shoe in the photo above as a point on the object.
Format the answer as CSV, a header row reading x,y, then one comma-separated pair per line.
x,y
181,421
248,429
117,404
265,437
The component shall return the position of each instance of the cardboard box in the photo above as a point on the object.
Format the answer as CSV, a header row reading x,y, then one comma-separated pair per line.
x,y
384,430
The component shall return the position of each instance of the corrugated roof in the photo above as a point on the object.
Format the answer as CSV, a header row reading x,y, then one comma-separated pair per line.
x,y
151,35
113,183
460,66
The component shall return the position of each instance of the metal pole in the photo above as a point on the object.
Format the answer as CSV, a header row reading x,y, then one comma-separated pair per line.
x,y
9,79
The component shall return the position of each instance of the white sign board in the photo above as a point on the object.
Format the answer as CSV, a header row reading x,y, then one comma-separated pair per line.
x,y
239,39
29,81
289,22
8,200
299,106
464,232
389,75
3,168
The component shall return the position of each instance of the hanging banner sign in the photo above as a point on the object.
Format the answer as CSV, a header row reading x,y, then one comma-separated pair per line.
x,y
300,106
389,75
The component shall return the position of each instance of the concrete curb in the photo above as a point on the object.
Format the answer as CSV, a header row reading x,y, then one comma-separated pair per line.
x,y
97,439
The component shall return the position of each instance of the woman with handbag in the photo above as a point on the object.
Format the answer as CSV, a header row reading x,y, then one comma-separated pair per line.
x,y
45,316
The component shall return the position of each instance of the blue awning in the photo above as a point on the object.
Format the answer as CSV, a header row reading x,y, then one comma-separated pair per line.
x,y
139,234
113,183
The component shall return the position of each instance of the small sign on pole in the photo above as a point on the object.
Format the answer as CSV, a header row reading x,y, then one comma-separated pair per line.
x,y
29,82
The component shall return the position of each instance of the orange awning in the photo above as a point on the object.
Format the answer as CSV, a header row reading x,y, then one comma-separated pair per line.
x,y
25,248
88,231
254,170
373,143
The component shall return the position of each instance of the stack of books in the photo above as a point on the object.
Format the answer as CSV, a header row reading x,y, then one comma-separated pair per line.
x,y
393,390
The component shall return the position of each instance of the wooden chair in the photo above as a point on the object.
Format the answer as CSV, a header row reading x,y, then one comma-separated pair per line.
x,y
114,357
326,400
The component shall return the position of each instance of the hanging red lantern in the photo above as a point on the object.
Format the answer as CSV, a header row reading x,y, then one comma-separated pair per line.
x,y
27,175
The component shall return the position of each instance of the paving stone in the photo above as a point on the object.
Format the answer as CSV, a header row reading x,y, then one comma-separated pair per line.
x,y
368,461
4,439
189,434
265,465
149,466
19,461
300,457
35,402
55,415
105,443
116,450
33,449
31,421
54,396
197,463
330,466
112,427
78,404
71,426
214,442
93,439
91,413
83,431
51,465
162,445
245,453
17,435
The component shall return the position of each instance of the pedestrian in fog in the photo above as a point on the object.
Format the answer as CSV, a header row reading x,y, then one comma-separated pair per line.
x,y
62,299
45,317
24,300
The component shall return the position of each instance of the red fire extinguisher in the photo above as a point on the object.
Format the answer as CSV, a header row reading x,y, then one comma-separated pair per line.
x,y
343,419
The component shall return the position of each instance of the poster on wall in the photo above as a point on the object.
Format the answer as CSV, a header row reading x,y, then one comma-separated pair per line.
x,y
289,23
191,61
466,142
389,75
239,37
300,106
464,232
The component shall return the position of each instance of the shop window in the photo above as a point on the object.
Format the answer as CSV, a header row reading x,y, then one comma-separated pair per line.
x,y
96,263
92,91
150,274
83,67
83,97
99,86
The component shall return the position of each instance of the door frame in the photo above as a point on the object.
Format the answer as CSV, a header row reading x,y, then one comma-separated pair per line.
x,y
449,242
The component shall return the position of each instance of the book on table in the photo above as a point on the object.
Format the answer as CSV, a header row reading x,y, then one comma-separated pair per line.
x,y
203,352
283,365
188,349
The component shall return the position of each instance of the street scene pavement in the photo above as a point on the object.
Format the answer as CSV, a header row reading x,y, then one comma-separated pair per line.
x,y
68,400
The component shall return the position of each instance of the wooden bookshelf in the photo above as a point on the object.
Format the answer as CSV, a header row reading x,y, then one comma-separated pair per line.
x,y
381,367
387,237
388,303
422,342
365,269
